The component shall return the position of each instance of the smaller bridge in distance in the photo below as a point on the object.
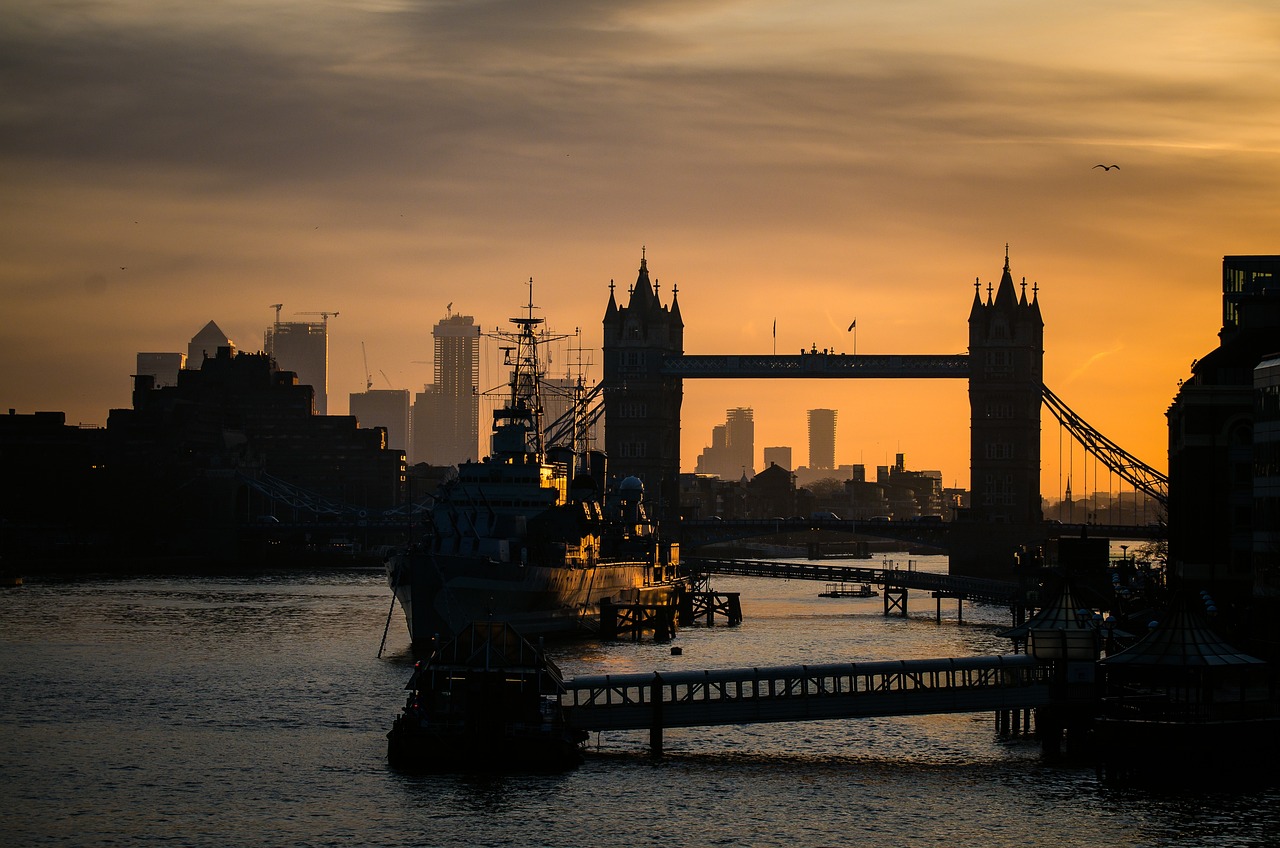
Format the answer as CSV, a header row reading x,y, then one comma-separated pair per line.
x,y
977,589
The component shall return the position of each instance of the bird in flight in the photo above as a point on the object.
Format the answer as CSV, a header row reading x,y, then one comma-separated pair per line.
x,y
1107,167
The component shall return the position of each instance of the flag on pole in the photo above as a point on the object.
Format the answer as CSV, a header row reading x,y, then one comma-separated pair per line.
x,y
775,328
854,324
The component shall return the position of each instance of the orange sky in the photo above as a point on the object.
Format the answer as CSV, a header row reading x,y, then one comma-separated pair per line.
x,y
168,163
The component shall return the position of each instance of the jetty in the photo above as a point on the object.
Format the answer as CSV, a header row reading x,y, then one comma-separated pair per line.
x,y
1005,684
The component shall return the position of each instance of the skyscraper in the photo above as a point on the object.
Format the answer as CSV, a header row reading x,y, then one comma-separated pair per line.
x,y
779,456
161,367
732,451
446,414
303,348
822,438
387,408
206,343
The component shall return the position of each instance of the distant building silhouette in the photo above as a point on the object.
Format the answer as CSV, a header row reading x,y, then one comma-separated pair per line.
x,y
642,405
732,449
207,342
779,456
1266,480
303,348
386,408
1224,498
163,368
822,438
446,414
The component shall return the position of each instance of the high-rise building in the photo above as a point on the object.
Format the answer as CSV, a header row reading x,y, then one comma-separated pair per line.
x,y
779,456
163,368
206,343
446,414
822,438
388,408
732,451
303,348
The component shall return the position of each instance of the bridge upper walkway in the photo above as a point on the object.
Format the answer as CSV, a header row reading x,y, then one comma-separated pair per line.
x,y
978,589
655,700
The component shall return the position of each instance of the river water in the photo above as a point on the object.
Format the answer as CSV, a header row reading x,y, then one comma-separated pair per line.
x,y
251,710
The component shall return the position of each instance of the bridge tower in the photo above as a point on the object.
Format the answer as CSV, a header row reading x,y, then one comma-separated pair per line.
x,y
1006,362
641,404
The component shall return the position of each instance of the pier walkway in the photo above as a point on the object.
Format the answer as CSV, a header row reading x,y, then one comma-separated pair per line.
x,y
981,590
657,700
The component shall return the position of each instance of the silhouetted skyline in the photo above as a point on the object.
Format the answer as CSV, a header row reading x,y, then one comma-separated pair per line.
x,y
787,166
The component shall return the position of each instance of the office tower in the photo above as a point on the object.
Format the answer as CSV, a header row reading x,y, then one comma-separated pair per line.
x,y
303,348
206,343
779,456
732,450
387,408
446,414
822,438
163,368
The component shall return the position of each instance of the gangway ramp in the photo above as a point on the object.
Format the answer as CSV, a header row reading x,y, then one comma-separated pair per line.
x,y
661,699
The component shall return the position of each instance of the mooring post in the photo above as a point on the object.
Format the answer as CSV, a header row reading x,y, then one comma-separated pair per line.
x,y
655,724
608,619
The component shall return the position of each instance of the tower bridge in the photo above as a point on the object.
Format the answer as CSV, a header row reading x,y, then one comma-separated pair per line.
x,y
645,367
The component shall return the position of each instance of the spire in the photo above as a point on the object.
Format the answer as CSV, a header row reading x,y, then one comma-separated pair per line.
x,y
675,307
642,294
611,311
1005,295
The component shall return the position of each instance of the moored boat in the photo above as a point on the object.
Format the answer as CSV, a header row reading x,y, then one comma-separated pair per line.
x,y
488,700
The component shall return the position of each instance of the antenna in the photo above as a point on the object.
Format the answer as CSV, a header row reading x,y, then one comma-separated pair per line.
x,y
368,378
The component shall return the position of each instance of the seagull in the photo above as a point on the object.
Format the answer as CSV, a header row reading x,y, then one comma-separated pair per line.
x,y
1107,167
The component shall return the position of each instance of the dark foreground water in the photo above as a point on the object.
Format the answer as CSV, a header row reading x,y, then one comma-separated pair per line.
x,y
252,711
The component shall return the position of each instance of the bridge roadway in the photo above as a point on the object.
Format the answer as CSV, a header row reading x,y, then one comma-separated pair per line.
x,y
982,590
661,699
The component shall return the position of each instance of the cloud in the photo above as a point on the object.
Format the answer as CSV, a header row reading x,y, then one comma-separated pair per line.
x,y
1097,357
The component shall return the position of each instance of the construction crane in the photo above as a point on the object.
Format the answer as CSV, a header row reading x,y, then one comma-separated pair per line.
x,y
277,307
368,378
385,377
324,315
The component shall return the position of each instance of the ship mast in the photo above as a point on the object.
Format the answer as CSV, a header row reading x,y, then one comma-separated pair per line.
x,y
527,375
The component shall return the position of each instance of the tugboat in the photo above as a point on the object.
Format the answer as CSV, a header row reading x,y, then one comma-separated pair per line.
x,y
488,701
534,536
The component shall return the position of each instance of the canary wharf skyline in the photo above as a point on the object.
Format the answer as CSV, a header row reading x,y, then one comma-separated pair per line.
x,y
809,164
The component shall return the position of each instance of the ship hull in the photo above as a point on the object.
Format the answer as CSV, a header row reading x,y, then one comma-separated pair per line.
x,y
441,594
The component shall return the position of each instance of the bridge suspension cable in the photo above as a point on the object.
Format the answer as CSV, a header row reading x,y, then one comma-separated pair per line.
x,y
1119,461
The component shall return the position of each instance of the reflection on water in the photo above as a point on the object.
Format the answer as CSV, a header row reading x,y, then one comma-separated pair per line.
x,y
252,710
